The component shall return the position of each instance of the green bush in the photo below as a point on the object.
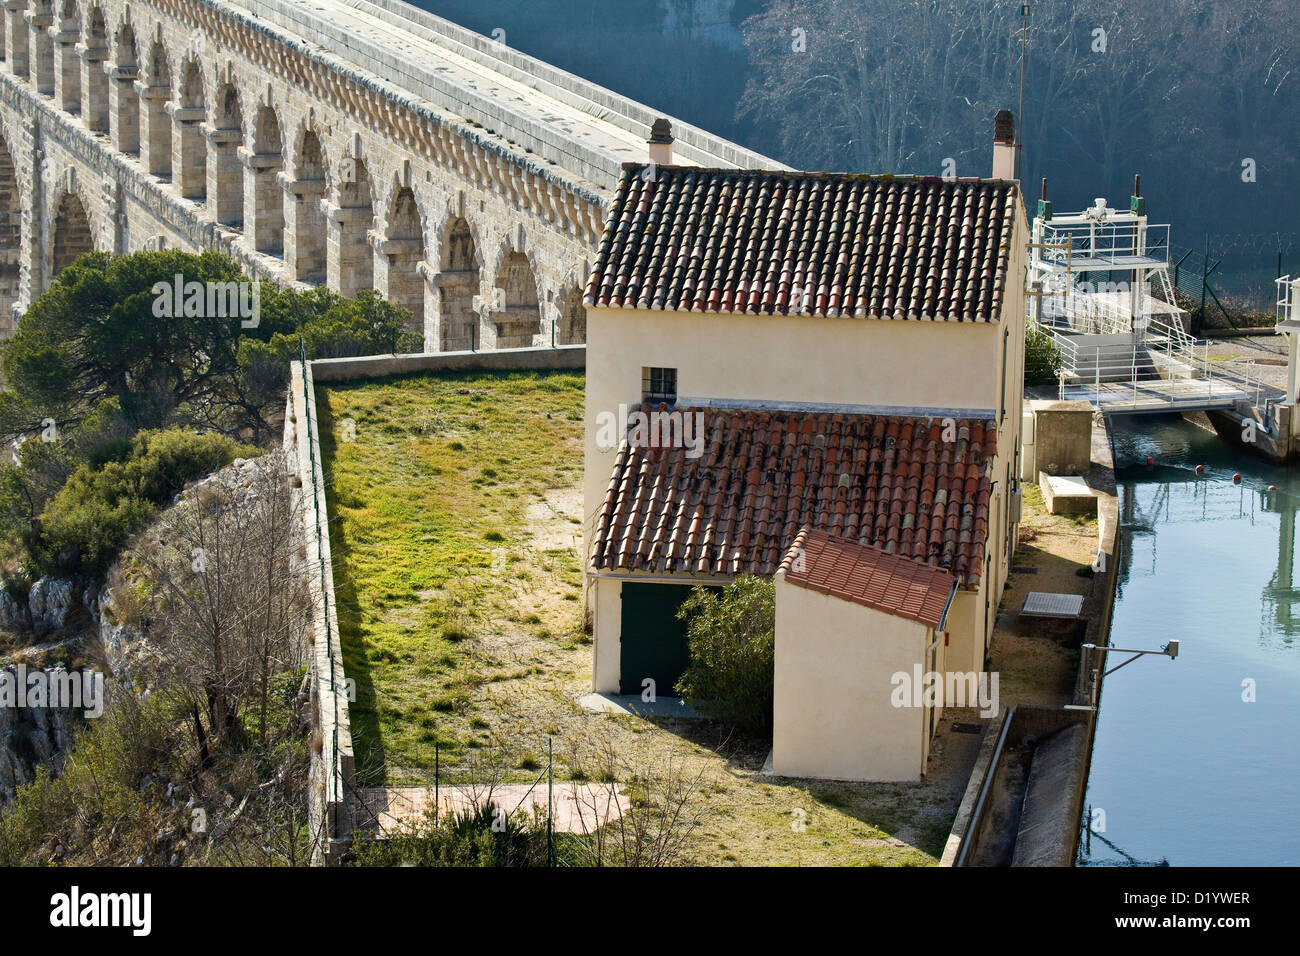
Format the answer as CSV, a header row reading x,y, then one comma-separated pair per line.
x,y
732,639
99,508
1042,358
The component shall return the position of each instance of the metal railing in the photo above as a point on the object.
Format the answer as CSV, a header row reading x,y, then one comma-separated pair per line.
x,y
1068,244
1164,352
1286,301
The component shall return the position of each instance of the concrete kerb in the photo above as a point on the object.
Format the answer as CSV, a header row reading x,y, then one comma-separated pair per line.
x,y
964,834
332,794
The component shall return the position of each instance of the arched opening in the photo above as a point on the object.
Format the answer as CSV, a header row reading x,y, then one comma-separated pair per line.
x,y
225,177
123,103
458,284
305,252
263,195
72,236
94,81
67,64
11,225
351,262
571,318
156,127
403,252
40,19
516,314
190,156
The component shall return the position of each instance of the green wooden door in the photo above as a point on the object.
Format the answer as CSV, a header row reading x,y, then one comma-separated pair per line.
x,y
653,640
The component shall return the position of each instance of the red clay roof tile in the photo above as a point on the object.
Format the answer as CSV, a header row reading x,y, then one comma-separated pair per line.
x,y
789,243
764,474
902,586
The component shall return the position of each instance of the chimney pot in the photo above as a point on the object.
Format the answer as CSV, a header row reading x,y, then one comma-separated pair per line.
x,y
661,142
1004,127
1004,145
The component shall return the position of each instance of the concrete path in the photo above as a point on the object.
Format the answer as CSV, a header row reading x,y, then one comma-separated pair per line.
x,y
633,704
576,808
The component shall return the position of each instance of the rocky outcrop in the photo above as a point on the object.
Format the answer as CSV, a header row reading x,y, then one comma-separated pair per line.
x,y
31,737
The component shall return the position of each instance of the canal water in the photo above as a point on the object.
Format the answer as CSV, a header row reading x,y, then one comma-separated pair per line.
x,y
1186,768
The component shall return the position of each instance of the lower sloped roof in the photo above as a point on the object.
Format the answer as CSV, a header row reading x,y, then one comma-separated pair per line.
x,y
911,486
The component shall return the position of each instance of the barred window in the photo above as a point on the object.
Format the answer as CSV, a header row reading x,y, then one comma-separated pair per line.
x,y
659,384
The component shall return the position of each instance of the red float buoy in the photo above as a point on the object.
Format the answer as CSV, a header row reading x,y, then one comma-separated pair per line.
x,y
1236,479
1200,469
1150,460
1272,487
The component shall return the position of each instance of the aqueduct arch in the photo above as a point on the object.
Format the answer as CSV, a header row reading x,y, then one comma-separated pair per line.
x,y
94,81
189,148
225,134
516,312
123,101
155,88
458,282
305,220
400,254
263,196
350,265
71,235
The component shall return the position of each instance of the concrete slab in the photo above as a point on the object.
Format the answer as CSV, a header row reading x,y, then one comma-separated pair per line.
x,y
575,807
1067,494
633,704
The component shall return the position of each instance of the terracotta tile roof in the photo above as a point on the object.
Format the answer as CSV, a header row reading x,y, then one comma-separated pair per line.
x,y
726,240
869,576
889,482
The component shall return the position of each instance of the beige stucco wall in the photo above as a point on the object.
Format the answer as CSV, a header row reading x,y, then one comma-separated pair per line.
x,y
905,365
833,713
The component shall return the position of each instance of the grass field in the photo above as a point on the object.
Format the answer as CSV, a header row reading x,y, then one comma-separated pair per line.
x,y
456,510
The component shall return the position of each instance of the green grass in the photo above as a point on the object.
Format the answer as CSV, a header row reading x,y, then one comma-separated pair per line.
x,y
431,546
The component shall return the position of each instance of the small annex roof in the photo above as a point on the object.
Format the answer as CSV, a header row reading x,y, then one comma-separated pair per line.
x,y
861,574
817,244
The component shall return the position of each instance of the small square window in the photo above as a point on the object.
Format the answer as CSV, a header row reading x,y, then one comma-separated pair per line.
x,y
659,384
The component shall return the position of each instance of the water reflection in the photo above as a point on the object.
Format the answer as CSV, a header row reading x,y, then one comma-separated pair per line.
x,y
1196,760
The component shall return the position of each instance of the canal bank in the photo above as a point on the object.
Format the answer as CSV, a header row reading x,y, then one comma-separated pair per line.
x,y
1195,762
1025,795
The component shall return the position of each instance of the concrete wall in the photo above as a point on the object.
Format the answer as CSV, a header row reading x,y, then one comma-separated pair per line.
x,y
331,792
1062,437
834,717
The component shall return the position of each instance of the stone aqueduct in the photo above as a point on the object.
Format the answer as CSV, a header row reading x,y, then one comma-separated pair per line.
x,y
352,143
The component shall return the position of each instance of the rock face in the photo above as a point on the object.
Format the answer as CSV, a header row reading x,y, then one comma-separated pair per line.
x,y
29,738
50,600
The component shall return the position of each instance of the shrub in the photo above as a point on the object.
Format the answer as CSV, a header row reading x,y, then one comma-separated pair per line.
x,y
732,640
483,836
90,518
1042,358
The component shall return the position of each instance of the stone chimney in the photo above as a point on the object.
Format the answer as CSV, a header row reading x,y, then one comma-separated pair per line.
x,y
661,142
1004,145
